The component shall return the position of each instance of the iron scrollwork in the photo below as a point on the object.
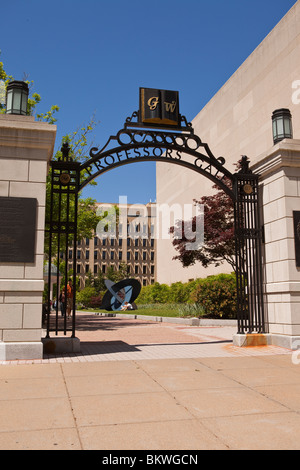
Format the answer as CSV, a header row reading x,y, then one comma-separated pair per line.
x,y
133,144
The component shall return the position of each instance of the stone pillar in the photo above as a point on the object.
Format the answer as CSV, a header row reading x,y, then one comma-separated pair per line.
x,y
279,171
26,147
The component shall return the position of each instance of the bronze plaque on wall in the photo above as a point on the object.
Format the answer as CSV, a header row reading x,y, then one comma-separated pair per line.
x,y
17,229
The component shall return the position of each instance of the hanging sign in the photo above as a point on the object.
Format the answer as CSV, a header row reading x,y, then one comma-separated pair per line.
x,y
160,107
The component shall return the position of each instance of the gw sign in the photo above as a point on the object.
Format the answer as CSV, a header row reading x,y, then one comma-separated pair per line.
x,y
160,107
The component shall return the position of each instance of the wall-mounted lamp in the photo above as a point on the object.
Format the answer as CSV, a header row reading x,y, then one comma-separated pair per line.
x,y
282,125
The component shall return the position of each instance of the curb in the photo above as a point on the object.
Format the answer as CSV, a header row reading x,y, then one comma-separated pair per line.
x,y
181,321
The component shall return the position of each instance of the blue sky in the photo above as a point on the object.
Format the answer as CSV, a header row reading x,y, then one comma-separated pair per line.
x,y
92,56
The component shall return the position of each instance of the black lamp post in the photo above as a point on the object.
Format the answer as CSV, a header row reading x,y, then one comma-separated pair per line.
x,y
17,98
282,125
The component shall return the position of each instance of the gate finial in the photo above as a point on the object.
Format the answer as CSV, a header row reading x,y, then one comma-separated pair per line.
x,y
244,162
65,150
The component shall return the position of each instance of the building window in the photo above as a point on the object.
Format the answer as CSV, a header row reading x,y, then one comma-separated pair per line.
x,y
128,241
144,282
136,269
95,269
70,254
144,242
112,242
87,254
112,255
136,242
128,255
152,255
104,268
78,269
144,269
136,255
87,268
144,255
87,241
120,255
152,269
96,241
104,254
78,254
95,255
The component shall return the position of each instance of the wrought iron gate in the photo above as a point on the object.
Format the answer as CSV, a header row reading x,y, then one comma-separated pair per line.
x,y
248,252
61,236
136,143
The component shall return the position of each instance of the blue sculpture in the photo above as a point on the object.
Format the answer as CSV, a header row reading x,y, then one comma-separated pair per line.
x,y
121,294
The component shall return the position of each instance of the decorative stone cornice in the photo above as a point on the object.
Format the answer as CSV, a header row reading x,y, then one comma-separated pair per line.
x,y
284,154
22,135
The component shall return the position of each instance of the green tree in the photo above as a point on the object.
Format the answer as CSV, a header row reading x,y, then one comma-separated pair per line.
x,y
119,274
33,100
99,282
79,142
219,243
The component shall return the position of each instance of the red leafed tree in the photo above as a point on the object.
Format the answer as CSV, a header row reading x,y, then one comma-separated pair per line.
x,y
219,244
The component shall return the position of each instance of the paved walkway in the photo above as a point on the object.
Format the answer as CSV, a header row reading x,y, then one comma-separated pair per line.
x,y
139,385
115,339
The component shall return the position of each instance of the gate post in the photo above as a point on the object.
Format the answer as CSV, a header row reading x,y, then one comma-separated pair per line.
x,y
248,239
279,170
26,147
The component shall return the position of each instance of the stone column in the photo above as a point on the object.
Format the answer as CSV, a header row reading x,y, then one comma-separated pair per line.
x,y
279,171
26,147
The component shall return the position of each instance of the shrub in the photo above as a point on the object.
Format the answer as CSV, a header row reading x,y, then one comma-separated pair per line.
x,y
156,293
217,294
96,301
145,296
214,296
85,295
178,293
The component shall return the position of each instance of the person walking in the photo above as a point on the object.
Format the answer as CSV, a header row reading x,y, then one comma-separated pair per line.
x,y
69,298
62,300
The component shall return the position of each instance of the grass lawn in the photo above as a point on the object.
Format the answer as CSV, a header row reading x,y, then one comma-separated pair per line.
x,y
162,310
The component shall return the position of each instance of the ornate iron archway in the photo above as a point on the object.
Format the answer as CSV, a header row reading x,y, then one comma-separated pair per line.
x,y
138,141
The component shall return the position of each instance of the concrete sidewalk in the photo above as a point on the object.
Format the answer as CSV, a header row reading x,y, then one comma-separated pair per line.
x,y
124,391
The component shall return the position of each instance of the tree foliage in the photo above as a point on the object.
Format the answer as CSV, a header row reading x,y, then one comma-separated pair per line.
x,y
219,245
33,100
79,142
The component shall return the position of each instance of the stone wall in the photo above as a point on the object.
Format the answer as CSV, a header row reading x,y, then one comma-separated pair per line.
x,y
279,170
26,147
